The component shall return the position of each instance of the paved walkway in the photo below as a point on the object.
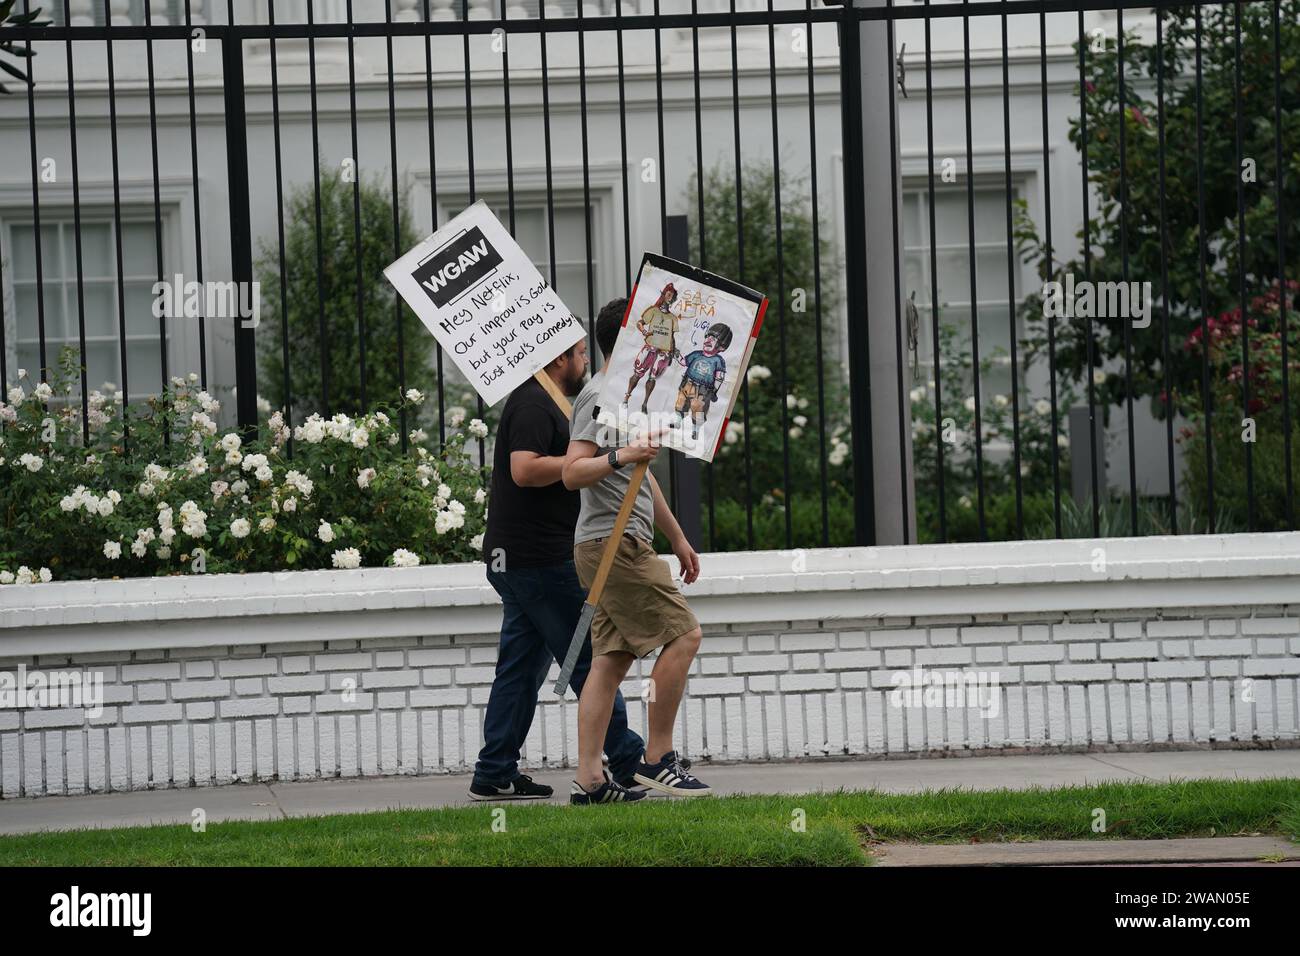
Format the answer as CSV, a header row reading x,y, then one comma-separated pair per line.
x,y
1277,851
314,798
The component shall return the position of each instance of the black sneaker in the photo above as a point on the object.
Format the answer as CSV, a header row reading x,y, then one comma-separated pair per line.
x,y
520,788
607,792
631,782
671,777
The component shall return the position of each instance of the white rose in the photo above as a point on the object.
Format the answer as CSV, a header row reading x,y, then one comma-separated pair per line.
x,y
405,559
266,524
325,532
347,558
240,527
112,550
360,438
32,463
233,458
1043,407
230,442
480,496
45,575
364,477
6,577
290,504
105,507
414,396
478,428
476,542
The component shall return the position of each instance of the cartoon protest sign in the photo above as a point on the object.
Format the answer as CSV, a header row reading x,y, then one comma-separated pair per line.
x,y
485,302
680,356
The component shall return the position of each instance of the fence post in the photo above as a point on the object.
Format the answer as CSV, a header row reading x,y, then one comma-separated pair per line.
x,y
241,229
884,502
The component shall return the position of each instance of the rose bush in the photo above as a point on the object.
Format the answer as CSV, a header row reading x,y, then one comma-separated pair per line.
x,y
157,488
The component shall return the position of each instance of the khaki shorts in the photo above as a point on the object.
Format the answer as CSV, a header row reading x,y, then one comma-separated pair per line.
x,y
641,608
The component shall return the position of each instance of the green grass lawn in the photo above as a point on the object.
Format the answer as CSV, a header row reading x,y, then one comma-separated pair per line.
x,y
752,830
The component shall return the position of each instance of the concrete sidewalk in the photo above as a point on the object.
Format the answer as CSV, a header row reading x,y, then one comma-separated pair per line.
x,y
315,798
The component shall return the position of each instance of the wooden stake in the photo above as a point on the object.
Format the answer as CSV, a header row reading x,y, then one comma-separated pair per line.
x,y
602,575
553,390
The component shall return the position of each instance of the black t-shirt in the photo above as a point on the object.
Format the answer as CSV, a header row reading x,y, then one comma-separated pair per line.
x,y
532,527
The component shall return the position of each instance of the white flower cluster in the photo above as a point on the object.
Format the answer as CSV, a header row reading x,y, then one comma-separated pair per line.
x,y
26,575
757,373
346,558
478,428
92,504
405,559
259,466
300,483
32,463
193,521
342,428
143,538
450,519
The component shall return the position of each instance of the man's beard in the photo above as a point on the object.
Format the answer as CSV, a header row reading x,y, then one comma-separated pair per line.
x,y
573,384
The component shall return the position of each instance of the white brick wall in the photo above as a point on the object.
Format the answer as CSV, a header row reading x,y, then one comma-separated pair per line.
x,y
401,687
316,712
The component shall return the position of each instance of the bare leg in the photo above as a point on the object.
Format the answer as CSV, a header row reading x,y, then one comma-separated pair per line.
x,y
631,386
594,709
649,388
669,682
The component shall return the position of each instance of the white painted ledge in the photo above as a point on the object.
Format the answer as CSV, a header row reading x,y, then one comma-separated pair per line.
x,y
738,587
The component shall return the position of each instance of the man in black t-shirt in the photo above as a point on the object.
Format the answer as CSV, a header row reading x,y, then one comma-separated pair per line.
x,y
528,548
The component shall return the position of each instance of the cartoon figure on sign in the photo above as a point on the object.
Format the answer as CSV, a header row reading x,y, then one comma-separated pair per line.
x,y
659,327
705,371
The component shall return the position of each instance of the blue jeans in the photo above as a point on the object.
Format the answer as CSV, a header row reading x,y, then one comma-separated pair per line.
x,y
541,610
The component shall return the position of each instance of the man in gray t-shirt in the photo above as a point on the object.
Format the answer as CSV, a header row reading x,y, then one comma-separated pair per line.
x,y
641,609
601,501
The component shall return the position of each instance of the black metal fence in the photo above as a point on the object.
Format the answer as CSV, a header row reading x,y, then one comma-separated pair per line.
x,y
1092,233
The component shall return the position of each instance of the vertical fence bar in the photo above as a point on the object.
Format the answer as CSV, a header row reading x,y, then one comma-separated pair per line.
x,y
117,224
320,252
855,246
241,232
36,215
817,289
1051,325
780,288
76,218
1207,399
1281,262
279,220
1241,259
157,195
1087,274
974,298
1164,270
904,406
356,206
198,207
934,284
469,147
700,223
1124,266
740,273
397,237
1011,287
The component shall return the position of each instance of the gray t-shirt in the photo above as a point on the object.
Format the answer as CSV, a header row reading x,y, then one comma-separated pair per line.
x,y
600,502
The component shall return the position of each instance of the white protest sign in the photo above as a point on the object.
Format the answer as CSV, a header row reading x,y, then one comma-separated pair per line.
x,y
485,302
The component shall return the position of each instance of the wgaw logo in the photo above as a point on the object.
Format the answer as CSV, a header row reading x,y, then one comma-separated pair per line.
x,y
75,909
462,263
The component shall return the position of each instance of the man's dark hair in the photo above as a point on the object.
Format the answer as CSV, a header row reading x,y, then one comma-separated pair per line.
x,y
608,322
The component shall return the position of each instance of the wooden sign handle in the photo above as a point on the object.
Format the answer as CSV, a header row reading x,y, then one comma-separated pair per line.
x,y
553,390
616,536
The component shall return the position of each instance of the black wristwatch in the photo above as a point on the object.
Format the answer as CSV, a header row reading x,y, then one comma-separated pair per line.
x,y
613,460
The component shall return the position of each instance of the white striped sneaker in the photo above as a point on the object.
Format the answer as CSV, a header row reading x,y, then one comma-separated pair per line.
x,y
669,776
